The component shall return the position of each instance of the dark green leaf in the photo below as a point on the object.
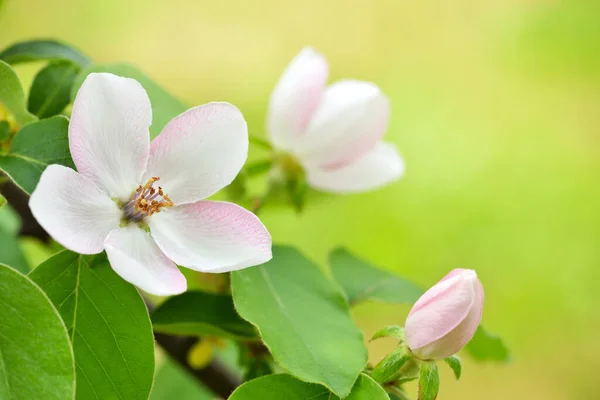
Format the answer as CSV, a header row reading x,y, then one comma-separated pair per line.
x,y
35,50
33,148
108,324
172,382
361,281
4,131
303,319
36,359
51,89
394,331
429,381
257,367
286,387
390,367
200,313
455,364
164,106
12,97
486,346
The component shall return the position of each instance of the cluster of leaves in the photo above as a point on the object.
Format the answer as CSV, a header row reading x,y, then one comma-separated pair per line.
x,y
72,328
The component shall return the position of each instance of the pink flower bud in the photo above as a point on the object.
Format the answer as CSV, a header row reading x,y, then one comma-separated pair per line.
x,y
445,318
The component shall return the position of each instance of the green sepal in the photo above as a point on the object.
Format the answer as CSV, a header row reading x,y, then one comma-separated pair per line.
x,y
429,381
456,365
390,368
394,331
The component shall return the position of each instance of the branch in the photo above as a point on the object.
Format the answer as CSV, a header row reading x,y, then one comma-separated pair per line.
x,y
215,376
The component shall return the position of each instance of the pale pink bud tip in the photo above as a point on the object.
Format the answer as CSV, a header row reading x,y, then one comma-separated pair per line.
x,y
445,318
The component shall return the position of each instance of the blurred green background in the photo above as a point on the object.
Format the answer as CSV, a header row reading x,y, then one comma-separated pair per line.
x,y
496,109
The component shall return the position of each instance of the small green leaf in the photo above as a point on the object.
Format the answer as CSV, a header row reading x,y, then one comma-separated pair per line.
x,y
200,313
258,168
486,346
33,148
2,200
12,97
165,107
108,325
394,331
36,360
362,282
429,381
389,368
455,364
283,386
51,89
303,319
35,50
172,382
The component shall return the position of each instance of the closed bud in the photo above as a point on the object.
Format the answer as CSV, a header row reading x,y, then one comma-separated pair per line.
x,y
445,318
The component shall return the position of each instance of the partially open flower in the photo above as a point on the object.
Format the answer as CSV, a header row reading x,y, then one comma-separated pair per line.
x,y
114,201
445,318
334,133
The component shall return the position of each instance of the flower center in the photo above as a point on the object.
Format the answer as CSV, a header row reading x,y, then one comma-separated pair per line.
x,y
145,201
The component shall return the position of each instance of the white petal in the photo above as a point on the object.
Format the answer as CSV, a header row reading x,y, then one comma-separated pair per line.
x,y
296,97
73,210
352,118
377,168
136,258
108,132
199,152
211,236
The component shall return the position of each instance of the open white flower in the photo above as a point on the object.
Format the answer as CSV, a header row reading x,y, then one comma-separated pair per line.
x,y
335,132
114,203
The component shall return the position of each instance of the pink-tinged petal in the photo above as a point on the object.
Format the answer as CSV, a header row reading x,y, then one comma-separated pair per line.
x,y
351,119
108,132
445,318
380,166
296,97
136,258
73,210
211,236
199,152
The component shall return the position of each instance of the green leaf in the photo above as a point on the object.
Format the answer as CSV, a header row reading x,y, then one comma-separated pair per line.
x,y
36,360
394,331
283,386
455,364
172,382
390,367
257,367
303,319
486,346
164,106
10,251
200,313
429,381
362,282
258,168
33,148
51,89
12,97
4,131
35,50
2,200
108,324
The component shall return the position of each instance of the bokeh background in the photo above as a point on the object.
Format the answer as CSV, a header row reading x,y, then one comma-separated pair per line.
x,y
496,109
